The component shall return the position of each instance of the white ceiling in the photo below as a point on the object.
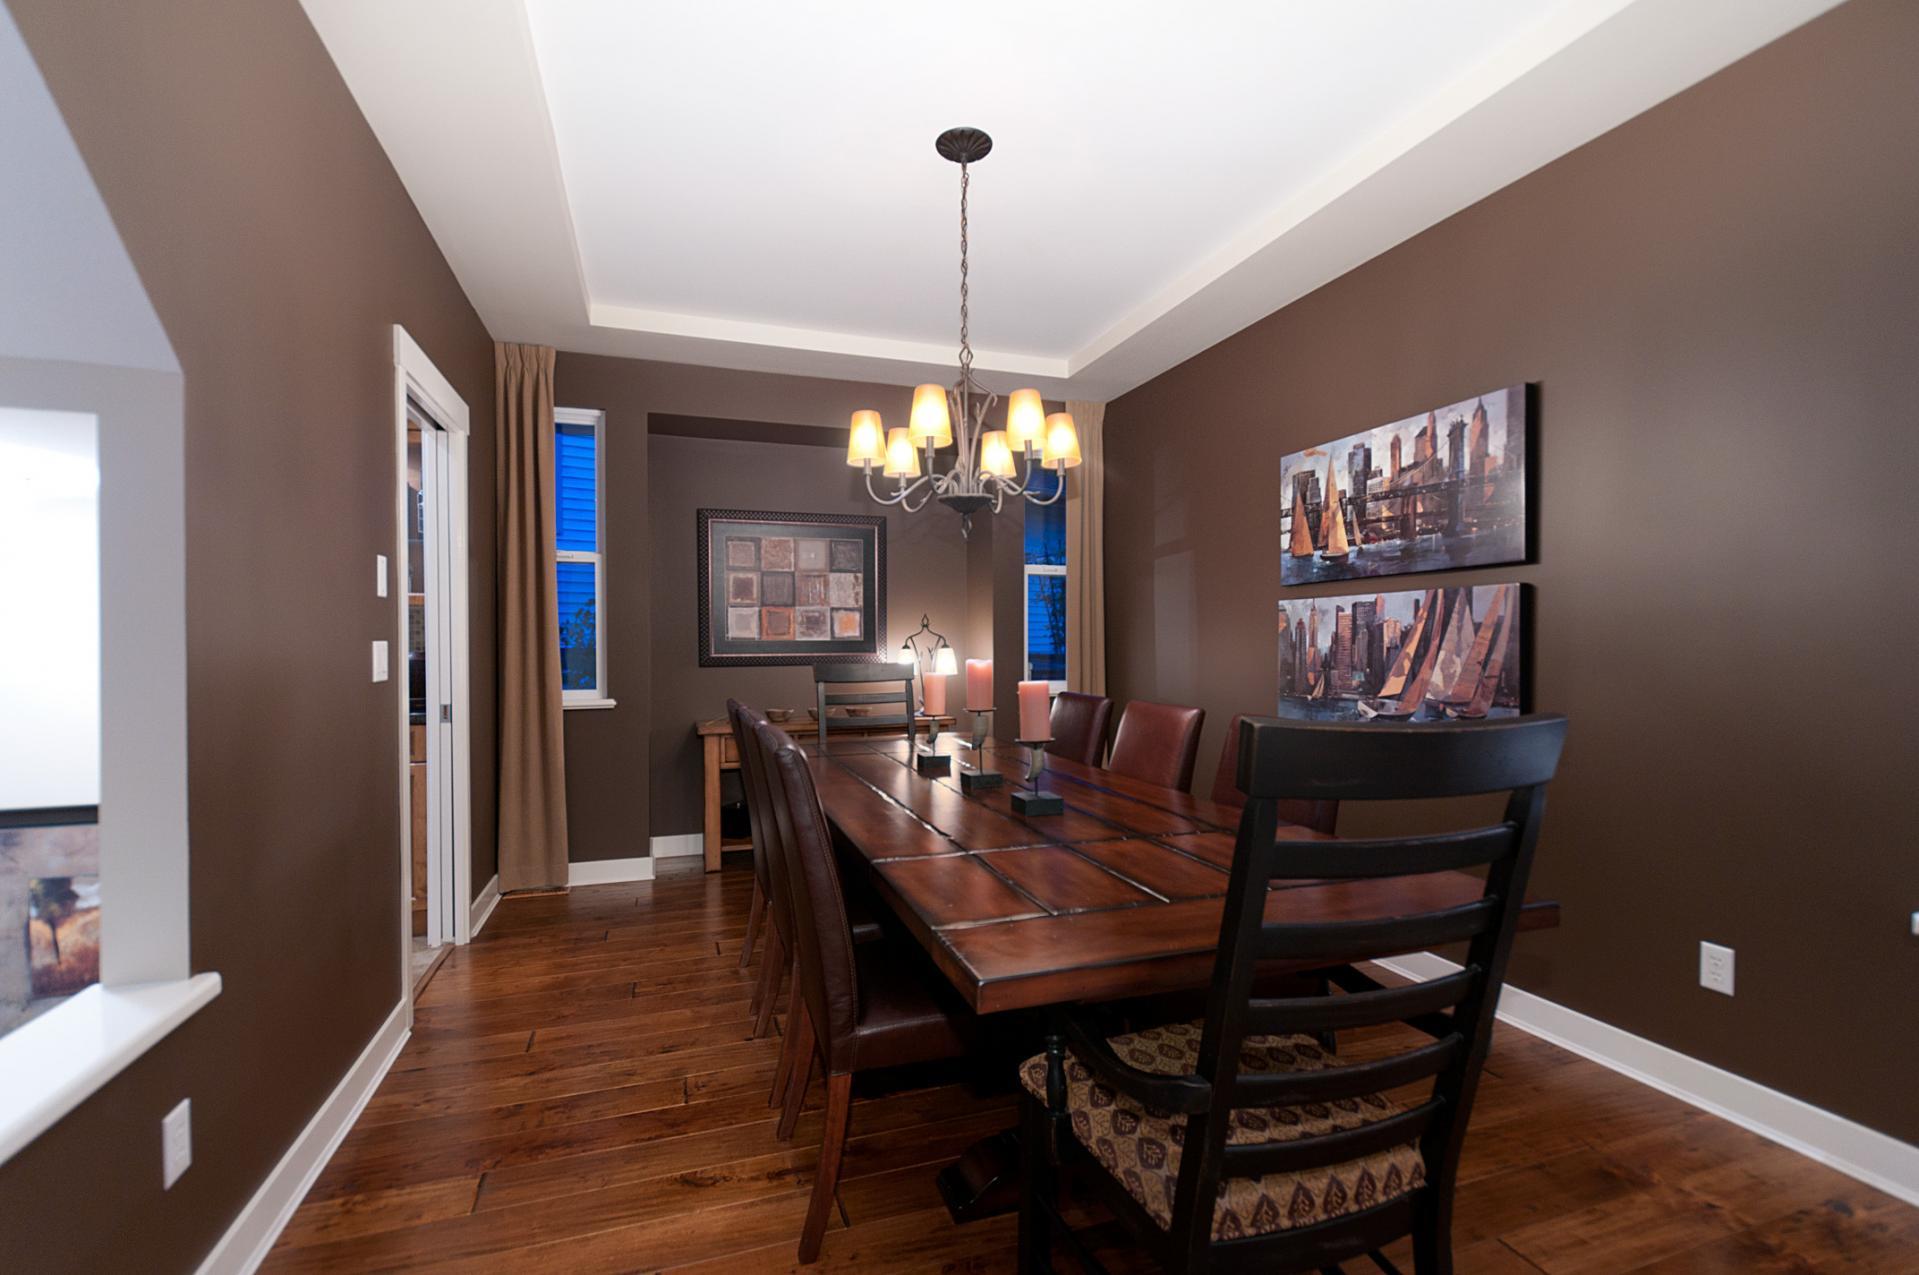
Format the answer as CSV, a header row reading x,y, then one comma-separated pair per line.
x,y
753,184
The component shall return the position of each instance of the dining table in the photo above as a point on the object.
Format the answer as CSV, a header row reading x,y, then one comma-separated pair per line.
x,y
1118,895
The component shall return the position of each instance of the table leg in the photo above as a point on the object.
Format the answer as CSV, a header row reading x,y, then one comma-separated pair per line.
x,y
985,1181
711,828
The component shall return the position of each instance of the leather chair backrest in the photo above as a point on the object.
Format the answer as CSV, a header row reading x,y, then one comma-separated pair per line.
x,y
1079,727
766,831
1158,743
1320,816
824,970
756,812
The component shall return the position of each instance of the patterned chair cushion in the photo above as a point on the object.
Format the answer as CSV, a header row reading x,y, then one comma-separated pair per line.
x,y
1140,1146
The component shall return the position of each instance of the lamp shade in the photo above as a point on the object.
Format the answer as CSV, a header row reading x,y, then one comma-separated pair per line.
x,y
901,460
930,418
945,662
1062,442
1025,419
995,457
866,440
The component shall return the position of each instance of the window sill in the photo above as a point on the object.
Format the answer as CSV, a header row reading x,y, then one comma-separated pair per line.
x,y
590,703
56,1062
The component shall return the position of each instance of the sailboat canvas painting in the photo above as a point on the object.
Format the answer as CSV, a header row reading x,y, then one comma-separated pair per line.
x,y
1439,490
1416,655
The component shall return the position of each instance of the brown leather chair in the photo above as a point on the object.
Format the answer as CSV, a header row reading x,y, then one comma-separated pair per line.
x,y
769,898
858,1007
1079,727
1320,816
1157,743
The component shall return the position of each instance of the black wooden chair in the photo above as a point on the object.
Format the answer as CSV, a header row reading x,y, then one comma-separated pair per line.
x,y
1236,1142
899,677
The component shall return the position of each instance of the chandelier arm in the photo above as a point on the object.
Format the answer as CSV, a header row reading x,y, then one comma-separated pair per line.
x,y
1052,499
897,497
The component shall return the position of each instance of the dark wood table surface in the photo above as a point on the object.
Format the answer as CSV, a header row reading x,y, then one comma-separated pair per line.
x,y
1119,895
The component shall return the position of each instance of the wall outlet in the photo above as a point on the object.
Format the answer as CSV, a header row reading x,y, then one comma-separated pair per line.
x,y
176,1142
379,574
379,661
1715,968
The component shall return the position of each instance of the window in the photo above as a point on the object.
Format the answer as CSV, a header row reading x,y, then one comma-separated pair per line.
x,y
1046,584
579,548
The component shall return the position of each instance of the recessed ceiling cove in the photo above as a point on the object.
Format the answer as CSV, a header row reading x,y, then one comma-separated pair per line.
x,y
754,184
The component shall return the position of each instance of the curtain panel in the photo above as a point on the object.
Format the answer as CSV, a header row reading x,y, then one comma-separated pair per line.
x,y
532,750
1086,554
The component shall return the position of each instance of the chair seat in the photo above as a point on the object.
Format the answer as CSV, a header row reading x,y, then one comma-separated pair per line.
x,y
904,1016
1140,1146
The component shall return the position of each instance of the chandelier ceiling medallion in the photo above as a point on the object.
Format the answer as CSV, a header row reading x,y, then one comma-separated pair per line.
x,y
985,466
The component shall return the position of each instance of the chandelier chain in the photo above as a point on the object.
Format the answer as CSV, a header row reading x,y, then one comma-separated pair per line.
x,y
966,345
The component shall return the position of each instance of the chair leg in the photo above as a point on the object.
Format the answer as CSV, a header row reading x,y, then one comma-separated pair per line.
x,y
772,969
799,1080
1038,1191
789,1056
826,1180
755,914
1433,1237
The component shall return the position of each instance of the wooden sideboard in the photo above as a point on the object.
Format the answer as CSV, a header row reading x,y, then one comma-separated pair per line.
x,y
719,754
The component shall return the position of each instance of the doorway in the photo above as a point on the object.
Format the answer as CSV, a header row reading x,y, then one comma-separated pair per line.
x,y
431,575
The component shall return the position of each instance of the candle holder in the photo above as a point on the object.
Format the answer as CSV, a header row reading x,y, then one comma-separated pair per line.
x,y
1033,801
974,778
929,760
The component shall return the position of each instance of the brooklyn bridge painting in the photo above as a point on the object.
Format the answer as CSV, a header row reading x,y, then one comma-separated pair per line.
x,y
1417,655
1446,489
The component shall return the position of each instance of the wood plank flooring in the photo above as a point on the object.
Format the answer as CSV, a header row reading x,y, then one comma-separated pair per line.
x,y
580,1095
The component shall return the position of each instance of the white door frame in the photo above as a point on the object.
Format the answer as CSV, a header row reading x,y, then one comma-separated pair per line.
x,y
415,377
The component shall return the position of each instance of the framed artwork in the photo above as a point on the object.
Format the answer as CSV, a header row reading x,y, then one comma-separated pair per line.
x,y
1429,493
779,588
1427,655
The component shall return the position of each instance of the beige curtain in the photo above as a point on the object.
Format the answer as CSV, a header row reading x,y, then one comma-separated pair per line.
x,y
1086,554
532,753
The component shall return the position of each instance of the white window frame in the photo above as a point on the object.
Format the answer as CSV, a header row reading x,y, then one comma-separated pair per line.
x,y
598,697
1054,686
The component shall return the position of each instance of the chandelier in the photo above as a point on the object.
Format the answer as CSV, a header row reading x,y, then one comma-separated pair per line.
x,y
985,466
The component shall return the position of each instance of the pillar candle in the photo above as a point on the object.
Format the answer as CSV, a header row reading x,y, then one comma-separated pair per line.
x,y
1035,714
933,694
979,686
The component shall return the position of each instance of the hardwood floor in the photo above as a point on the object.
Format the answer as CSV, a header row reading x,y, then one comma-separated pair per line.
x,y
580,1095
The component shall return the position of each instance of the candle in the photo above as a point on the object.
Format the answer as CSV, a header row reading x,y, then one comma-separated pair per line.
x,y
1035,714
979,686
933,694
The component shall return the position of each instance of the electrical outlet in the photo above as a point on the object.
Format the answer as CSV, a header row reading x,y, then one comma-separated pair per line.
x,y
379,661
379,574
1715,968
176,1143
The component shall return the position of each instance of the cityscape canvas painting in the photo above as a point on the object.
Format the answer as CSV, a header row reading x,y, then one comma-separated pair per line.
x,y
1410,656
1446,489
780,588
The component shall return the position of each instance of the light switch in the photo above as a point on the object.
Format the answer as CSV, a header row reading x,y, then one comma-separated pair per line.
x,y
379,574
379,661
176,1143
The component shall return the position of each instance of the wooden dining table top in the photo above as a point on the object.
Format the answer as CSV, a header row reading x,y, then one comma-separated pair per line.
x,y
1118,895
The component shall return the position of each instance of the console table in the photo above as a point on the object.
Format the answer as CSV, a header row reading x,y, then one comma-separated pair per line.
x,y
718,754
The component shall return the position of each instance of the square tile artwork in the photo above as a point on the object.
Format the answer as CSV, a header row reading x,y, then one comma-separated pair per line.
x,y
785,588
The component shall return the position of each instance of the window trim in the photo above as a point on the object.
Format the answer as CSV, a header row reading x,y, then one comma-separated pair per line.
x,y
1054,685
594,419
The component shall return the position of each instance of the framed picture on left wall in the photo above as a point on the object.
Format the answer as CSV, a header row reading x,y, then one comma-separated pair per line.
x,y
786,588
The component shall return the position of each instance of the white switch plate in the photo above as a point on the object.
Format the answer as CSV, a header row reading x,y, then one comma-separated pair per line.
x,y
379,574
176,1142
379,661
1715,968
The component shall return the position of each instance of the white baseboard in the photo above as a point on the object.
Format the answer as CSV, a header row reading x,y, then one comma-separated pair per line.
x,y
247,1242
609,871
1872,1157
483,907
678,846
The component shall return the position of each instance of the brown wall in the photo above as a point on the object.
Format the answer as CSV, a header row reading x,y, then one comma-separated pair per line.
x,y
1718,301
652,665
926,575
278,248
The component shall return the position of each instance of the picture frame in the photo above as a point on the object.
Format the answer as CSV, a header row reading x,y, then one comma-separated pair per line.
x,y
790,588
